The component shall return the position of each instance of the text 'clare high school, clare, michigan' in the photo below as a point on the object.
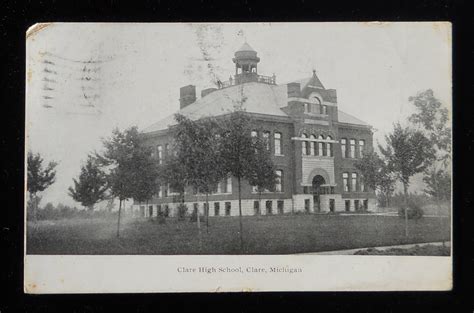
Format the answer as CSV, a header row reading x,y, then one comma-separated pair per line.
x,y
314,146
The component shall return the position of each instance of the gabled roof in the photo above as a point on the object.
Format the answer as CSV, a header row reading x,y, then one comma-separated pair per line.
x,y
259,98
312,81
349,119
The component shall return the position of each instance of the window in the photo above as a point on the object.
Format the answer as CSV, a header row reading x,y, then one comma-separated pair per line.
x,y
329,147
348,205
268,206
344,147
307,108
366,204
306,190
159,192
227,208
216,208
353,148
321,151
361,148
218,188
279,181
312,146
167,210
167,150
280,206
195,208
159,211
165,191
159,150
361,183
150,210
306,205
354,182
228,187
254,189
324,109
345,181
278,143
304,145
206,209
356,205
256,207
266,138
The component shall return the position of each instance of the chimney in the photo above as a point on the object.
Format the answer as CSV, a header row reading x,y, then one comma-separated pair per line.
x,y
187,95
207,91
294,90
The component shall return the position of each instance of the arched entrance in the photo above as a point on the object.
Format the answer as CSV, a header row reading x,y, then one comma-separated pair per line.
x,y
318,180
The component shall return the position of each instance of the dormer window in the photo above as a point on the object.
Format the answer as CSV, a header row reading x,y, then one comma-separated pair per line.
x,y
315,98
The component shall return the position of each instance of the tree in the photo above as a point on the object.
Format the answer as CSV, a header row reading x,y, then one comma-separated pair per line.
x,y
376,174
144,171
173,173
119,155
438,185
238,153
408,152
197,146
263,177
38,178
91,186
433,119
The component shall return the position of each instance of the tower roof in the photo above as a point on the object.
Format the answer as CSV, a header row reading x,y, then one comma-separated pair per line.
x,y
246,47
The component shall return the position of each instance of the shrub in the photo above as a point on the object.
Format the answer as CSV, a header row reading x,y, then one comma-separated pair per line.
x,y
182,211
414,210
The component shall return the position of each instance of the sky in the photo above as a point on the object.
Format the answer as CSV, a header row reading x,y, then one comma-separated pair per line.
x,y
84,79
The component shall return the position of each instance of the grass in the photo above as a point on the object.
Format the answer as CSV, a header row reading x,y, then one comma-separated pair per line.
x,y
426,250
262,235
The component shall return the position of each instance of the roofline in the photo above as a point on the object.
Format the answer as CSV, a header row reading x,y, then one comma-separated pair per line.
x,y
284,119
370,127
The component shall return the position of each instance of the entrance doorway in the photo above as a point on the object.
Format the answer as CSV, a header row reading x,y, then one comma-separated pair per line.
x,y
318,180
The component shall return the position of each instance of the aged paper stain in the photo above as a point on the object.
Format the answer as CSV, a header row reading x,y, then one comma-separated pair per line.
x,y
36,28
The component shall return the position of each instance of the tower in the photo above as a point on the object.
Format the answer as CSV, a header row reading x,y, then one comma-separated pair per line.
x,y
246,60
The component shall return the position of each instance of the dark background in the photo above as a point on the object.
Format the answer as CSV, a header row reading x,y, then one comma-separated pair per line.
x,y
16,17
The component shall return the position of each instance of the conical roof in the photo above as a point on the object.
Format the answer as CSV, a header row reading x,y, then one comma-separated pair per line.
x,y
246,47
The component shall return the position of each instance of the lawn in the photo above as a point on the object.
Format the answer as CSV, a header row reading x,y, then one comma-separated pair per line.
x,y
262,235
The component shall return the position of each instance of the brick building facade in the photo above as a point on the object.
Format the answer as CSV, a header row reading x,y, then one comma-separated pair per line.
x,y
314,145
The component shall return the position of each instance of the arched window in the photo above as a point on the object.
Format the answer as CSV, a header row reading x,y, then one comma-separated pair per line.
x,y
304,145
361,148
312,146
329,147
354,182
277,143
321,151
352,148
345,181
344,147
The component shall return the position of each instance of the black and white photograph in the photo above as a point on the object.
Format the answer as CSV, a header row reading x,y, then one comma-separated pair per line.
x,y
250,156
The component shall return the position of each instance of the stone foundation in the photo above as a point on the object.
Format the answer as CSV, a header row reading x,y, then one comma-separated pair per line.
x,y
299,203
